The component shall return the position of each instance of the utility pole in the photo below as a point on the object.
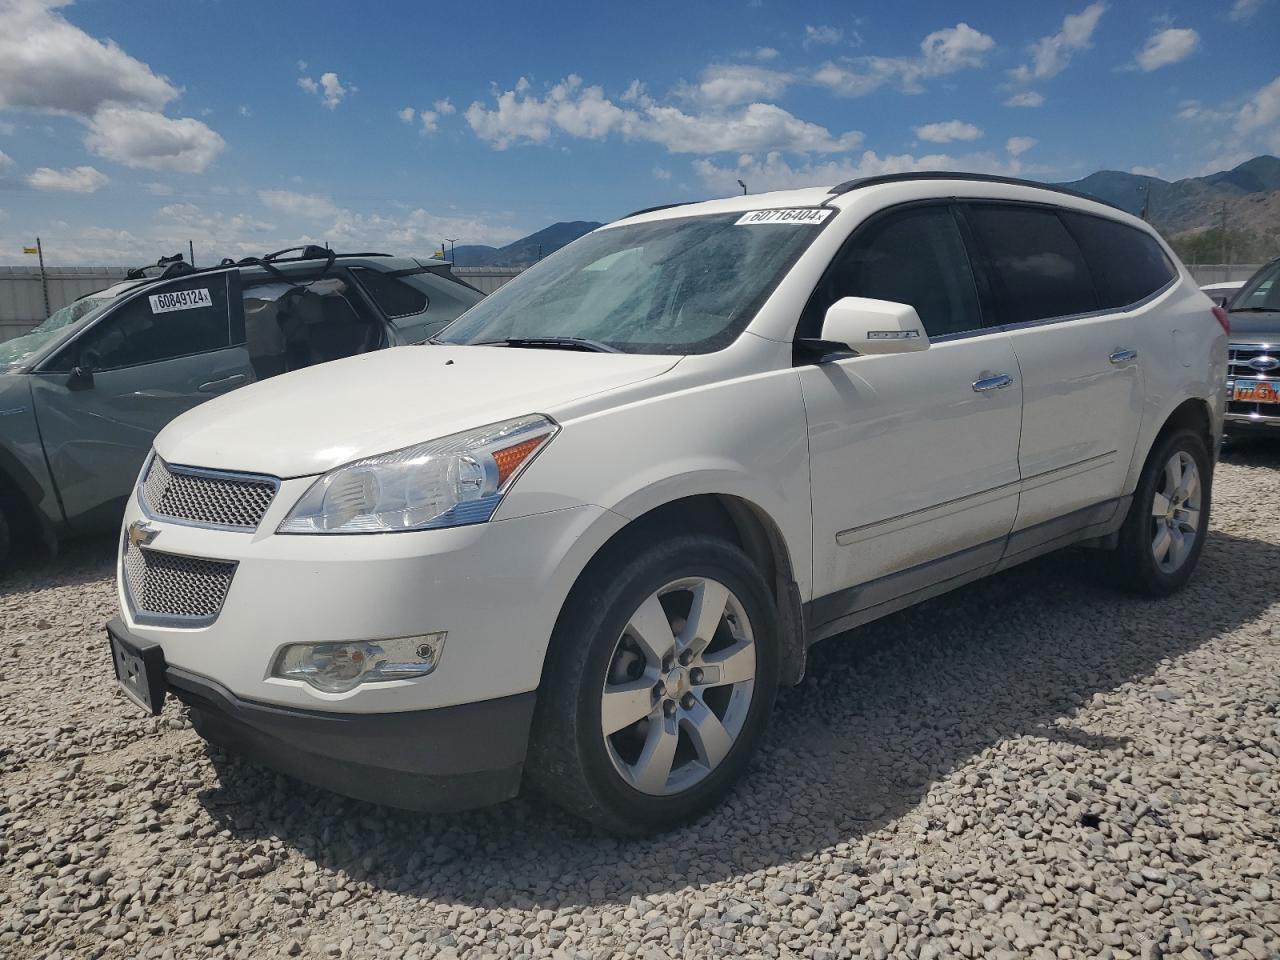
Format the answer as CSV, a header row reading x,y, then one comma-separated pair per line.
x,y
451,243
44,280
191,252
1226,271
744,187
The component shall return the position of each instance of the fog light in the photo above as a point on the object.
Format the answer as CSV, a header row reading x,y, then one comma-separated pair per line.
x,y
339,667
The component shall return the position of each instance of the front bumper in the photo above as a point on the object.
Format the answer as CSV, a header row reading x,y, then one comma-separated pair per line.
x,y
1237,424
443,759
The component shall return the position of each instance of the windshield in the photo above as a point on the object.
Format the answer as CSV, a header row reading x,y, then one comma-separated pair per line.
x,y
1262,292
688,285
18,350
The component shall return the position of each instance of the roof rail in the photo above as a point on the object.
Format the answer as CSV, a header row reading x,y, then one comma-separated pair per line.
x,y
661,206
860,182
314,252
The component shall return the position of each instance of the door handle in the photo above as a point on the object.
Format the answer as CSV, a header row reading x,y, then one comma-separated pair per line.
x,y
226,383
997,382
1123,356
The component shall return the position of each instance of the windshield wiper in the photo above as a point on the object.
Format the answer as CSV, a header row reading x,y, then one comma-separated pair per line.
x,y
554,343
1254,310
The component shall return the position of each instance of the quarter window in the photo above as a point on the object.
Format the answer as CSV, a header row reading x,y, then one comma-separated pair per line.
x,y
394,297
1036,262
916,257
159,323
1127,265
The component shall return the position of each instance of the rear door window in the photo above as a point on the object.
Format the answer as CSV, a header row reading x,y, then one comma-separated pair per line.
x,y
394,297
161,322
1036,263
1128,265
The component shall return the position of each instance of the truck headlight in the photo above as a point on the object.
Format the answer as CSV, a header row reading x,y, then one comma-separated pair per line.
x,y
339,667
448,482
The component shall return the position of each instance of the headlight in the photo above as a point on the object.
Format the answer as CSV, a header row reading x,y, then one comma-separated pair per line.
x,y
442,483
339,667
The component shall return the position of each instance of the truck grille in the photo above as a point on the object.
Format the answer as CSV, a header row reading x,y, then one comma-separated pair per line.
x,y
234,501
1239,367
173,589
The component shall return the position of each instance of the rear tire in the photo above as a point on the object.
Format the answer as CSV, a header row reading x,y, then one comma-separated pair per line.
x,y
1168,520
658,685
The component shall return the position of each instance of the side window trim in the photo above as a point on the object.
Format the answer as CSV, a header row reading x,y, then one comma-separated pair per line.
x,y
948,203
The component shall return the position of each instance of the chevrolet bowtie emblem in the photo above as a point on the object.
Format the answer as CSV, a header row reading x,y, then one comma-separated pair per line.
x,y
141,533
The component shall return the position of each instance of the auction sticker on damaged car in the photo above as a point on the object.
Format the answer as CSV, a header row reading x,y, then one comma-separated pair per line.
x,y
814,215
180,300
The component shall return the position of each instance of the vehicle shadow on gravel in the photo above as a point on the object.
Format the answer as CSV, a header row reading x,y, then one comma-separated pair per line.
x,y
82,561
885,712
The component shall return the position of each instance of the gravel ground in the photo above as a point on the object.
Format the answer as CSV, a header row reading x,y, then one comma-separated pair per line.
x,y
1032,766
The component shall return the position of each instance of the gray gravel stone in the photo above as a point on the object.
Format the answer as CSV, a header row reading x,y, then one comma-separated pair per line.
x,y
1032,766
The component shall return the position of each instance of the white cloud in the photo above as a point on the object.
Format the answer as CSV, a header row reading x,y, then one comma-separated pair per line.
x,y
69,179
1167,47
569,107
774,172
948,131
48,64
143,138
766,53
942,52
1017,146
245,110
407,114
444,107
329,88
1050,55
310,206
1028,98
430,121
822,35
661,173
757,127
158,189
1244,9
729,84
1144,171
1262,111
5,160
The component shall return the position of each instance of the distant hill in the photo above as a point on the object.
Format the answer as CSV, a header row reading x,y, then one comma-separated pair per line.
x,y
526,250
1190,211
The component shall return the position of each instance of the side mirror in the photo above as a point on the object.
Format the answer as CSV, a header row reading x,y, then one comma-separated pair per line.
x,y
874,326
80,378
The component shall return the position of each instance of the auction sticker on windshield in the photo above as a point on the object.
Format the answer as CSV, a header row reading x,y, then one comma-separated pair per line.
x,y
814,215
180,300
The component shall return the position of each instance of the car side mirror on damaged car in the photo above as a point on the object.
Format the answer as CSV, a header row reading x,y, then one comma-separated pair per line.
x,y
861,326
81,375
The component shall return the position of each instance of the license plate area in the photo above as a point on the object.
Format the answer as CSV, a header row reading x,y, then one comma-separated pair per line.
x,y
1257,391
139,671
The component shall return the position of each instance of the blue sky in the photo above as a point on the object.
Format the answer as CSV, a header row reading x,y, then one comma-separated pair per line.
x,y
128,128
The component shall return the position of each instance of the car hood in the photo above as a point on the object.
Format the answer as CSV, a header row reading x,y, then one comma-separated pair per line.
x,y
312,420
1255,328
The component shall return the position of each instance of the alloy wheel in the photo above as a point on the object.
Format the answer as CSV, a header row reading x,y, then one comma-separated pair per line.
x,y
679,686
1175,512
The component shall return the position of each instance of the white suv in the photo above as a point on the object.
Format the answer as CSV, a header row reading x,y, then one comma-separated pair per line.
x,y
582,538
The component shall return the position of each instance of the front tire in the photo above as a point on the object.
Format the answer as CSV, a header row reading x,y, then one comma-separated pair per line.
x,y
1168,520
658,685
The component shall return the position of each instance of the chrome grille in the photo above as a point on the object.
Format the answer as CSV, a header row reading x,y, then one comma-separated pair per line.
x,y
1239,368
235,501
175,589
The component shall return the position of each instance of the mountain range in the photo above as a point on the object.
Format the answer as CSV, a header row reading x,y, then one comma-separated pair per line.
x,y
1250,193
1190,212
526,250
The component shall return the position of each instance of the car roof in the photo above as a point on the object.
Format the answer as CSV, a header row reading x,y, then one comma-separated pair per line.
x,y
887,189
